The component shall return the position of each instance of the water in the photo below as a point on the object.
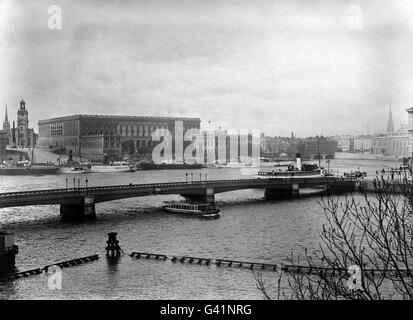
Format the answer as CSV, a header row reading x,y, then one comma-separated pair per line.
x,y
250,229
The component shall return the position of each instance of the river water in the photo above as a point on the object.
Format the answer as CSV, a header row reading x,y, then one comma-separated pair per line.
x,y
250,229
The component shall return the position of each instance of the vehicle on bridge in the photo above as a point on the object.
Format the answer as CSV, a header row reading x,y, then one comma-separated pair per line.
x,y
204,210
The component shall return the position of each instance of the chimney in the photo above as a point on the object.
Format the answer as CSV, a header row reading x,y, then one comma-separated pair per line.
x,y
14,133
298,161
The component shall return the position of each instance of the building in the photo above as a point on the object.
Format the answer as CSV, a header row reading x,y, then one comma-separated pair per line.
x,y
410,130
4,140
390,124
229,146
344,143
96,137
21,136
310,147
362,144
391,145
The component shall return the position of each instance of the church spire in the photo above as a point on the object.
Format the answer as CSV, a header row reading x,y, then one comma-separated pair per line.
x,y
390,124
6,123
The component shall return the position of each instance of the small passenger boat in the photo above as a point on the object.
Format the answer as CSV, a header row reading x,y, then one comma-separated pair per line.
x,y
114,167
74,170
204,210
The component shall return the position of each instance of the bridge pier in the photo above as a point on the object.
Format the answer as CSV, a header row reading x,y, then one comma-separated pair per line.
x,y
342,188
289,191
207,197
199,198
79,211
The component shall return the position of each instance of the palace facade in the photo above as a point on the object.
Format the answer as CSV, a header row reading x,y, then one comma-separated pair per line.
x,y
95,137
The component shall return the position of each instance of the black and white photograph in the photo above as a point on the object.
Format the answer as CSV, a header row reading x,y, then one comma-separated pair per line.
x,y
206,150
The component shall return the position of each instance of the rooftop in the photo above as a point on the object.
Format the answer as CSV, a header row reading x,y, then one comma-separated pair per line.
x,y
115,118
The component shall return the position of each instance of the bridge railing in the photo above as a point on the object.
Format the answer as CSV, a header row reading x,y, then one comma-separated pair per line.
x,y
75,192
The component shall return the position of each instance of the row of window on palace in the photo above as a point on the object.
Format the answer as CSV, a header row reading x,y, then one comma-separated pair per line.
x,y
123,129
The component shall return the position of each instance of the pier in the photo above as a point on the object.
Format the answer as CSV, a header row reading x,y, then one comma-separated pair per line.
x,y
63,264
266,266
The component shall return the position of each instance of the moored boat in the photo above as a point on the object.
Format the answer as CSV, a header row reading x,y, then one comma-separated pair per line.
x,y
74,170
26,168
116,166
169,166
204,210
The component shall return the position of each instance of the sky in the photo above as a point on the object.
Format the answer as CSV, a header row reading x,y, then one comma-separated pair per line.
x,y
309,67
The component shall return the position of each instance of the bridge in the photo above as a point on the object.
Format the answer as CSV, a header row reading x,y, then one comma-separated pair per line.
x,y
80,202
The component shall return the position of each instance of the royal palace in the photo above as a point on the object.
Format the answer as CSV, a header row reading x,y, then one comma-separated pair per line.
x,y
93,137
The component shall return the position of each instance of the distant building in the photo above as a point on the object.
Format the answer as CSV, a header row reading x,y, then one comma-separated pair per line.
x,y
95,137
410,129
276,146
4,140
21,136
363,144
224,146
390,124
391,145
310,147
344,143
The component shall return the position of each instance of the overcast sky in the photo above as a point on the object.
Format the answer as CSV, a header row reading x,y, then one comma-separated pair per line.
x,y
304,66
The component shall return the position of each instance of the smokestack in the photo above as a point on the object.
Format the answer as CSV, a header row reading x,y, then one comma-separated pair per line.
x,y
298,161
14,133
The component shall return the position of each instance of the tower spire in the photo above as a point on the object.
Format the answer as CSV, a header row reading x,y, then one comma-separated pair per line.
x,y
390,124
6,123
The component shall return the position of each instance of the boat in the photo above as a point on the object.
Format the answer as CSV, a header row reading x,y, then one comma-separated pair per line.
x,y
215,165
116,166
291,174
304,170
26,168
246,162
204,210
74,170
169,166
